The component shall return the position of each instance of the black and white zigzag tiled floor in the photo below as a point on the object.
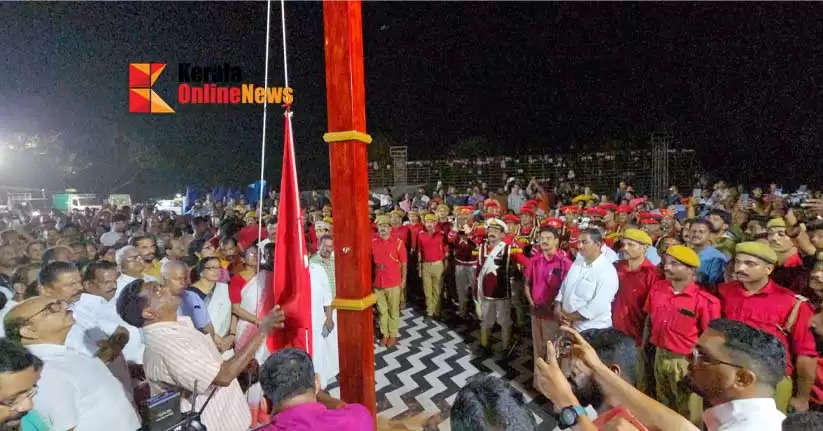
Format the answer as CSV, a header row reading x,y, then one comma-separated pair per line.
x,y
421,376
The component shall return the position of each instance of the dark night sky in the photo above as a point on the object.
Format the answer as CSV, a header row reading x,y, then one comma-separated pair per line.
x,y
740,83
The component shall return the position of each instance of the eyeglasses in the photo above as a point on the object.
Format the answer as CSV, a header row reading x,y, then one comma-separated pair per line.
x,y
52,308
20,399
133,258
699,358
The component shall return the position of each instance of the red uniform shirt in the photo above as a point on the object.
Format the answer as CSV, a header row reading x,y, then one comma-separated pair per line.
x,y
768,309
414,229
791,274
627,309
678,319
432,245
401,233
388,255
443,227
463,247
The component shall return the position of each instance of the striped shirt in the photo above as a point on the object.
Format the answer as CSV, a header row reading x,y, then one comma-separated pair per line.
x,y
178,356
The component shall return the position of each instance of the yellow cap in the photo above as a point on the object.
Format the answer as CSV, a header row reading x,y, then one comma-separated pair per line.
x,y
397,212
637,235
442,206
757,249
684,255
378,212
327,220
429,217
776,222
382,219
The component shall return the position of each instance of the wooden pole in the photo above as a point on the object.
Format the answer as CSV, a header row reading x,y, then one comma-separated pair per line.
x,y
347,138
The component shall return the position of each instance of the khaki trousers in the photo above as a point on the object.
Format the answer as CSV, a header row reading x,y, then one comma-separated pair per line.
x,y
432,286
669,370
388,305
783,394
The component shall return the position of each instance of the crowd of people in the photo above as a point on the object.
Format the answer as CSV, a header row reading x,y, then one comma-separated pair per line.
x,y
701,311
708,305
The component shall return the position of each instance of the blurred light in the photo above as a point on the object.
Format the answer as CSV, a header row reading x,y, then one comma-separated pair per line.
x,y
178,196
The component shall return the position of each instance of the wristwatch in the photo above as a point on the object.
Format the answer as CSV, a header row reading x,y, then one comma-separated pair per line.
x,y
568,416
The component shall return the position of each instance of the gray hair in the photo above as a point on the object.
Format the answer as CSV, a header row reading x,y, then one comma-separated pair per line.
x,y
169,266
120,255
594,234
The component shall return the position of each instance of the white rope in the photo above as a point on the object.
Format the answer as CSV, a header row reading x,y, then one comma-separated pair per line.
x,y
283,26
263,144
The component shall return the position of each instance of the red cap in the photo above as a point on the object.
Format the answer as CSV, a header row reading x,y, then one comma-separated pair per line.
x,y
511,218
527,209
608,206
552,222
623,209
649,220
489,215
570,209
491,203
596,212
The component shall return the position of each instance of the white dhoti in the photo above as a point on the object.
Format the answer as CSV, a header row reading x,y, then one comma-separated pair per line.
x,y
325,354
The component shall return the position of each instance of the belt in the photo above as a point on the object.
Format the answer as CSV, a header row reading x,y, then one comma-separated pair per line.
x,y
464,263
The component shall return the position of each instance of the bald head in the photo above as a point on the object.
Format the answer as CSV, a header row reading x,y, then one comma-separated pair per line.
x,y
175,276
39,320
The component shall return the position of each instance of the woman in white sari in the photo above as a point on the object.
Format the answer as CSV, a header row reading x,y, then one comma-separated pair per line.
x,y
247,291
215,296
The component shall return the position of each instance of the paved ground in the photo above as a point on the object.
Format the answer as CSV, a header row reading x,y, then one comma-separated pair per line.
x,y
421,376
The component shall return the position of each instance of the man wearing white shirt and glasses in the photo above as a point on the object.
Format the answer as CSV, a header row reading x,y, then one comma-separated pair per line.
x,y
585,297
76,391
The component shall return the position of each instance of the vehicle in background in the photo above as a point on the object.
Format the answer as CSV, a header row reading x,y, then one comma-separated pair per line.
x,y
118,201
170,205
71,200
28,202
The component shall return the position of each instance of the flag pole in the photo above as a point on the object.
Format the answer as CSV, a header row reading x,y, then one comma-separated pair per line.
x,y
347,139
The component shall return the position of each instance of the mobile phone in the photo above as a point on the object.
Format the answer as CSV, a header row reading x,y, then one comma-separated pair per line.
x,y
697,192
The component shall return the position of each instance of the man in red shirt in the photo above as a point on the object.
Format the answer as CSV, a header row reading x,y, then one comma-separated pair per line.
x,y
543,275
398,230
444,225
679,311
789,266
432,255
636,276
760,302
464,239
389,255
414,284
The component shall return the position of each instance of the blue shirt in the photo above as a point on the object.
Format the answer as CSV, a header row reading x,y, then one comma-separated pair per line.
x,y
712,266
652,256
193,304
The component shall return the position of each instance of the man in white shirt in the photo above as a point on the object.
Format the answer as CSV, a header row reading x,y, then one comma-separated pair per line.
x,y
97,321
131,268
605,250
585,297
116,234
75,391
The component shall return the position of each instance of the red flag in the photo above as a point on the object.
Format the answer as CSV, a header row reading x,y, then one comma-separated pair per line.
x,y
291,284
